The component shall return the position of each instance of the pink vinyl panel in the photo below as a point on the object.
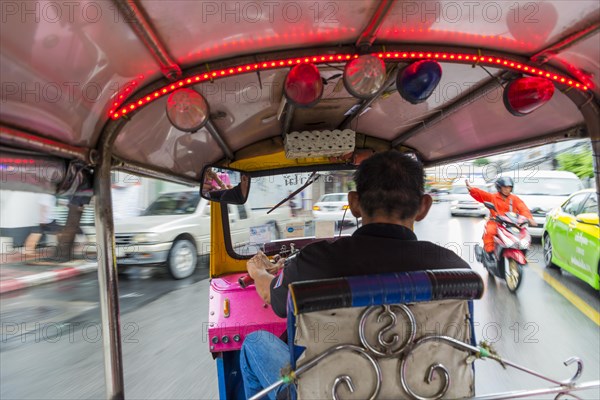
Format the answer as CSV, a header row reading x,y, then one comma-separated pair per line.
x,y
248,313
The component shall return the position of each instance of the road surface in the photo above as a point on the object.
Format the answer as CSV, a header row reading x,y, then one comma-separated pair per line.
x,y
51,346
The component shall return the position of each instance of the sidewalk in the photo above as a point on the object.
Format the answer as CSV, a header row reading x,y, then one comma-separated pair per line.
x,y
18,271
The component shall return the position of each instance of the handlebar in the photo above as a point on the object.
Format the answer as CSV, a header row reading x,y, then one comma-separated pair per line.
x,y
245,280
498,220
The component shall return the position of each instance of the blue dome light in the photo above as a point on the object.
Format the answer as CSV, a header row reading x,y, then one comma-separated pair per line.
x,y
417,81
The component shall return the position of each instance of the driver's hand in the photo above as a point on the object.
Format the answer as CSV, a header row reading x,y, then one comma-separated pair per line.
x,y
532,222
260,264
467,183
206,186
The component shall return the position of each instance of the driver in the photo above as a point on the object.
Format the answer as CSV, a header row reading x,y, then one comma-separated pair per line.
x,y
504,201
389,197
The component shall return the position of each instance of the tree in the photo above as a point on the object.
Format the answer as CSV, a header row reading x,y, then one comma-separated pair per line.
x,y
580,163
481,162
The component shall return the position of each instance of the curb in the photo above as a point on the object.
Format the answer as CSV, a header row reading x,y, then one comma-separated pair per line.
x,y
45,277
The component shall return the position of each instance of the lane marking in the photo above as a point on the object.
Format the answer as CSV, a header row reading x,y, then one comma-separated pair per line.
x,y
581,305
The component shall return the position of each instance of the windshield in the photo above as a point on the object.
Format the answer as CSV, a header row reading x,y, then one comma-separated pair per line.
x,y
547,186
174,203
316,211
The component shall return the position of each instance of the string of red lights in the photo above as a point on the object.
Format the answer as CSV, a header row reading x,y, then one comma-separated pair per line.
x,y
320,59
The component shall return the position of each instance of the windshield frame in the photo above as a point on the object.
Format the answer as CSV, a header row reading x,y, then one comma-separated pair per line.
x,y
227,237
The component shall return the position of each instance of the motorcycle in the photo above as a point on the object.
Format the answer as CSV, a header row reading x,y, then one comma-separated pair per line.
x,y
511,243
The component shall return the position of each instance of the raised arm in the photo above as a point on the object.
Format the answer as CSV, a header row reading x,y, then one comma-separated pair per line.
x,y
478,194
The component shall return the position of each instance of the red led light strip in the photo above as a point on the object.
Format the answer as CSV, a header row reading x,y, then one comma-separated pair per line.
x,y
321,59
124,93
16,161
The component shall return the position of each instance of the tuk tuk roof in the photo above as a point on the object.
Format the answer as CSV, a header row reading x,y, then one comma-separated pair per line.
x,y
66,69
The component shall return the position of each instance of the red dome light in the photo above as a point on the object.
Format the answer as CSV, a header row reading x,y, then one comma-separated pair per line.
x,y
303,85
525,95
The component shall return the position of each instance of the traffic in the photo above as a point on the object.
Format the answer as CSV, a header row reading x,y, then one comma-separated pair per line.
x,y
264,115
513,324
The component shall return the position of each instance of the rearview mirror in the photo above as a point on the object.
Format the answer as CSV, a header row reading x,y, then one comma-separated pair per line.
x,y
225,185
489,205
588,218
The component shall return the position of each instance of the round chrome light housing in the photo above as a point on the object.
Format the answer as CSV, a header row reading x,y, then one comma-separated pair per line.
x,y
187,110
364,76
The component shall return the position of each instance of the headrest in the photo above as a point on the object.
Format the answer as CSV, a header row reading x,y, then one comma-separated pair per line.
x,y
395,288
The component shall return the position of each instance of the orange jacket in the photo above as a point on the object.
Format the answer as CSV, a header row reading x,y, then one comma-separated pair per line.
x,y
501,203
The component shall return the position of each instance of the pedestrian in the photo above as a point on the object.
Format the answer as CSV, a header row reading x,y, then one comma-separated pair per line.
x,y
293,204
47,223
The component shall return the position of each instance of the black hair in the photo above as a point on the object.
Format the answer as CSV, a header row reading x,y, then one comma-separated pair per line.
x,y
391,183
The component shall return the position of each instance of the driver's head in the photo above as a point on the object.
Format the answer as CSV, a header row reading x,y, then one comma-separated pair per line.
x,y
390,187
504,185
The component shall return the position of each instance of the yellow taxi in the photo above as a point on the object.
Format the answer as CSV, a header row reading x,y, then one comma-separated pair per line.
x,y
571,237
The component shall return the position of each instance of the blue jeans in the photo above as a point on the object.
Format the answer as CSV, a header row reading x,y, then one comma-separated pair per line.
x,y
262,357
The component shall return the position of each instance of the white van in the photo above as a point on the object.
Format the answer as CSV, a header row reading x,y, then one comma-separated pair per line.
x,y
542,191
175,230
461,202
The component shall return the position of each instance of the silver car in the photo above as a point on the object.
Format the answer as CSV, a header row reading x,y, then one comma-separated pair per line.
x,y
333,207
461,202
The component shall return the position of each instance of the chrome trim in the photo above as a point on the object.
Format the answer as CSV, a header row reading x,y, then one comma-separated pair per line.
x,y
559,390
124,239
137,169
107,268
339,380
482,351
287,121
362,352
546,54
147,34
24,140
457,344
388,350
462,101
369,34
214,132
391,79
344,379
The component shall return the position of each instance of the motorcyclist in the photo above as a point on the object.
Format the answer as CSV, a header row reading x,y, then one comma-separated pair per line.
x,y
504,201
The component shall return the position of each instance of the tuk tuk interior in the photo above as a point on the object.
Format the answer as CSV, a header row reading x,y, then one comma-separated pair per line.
x,y
98,86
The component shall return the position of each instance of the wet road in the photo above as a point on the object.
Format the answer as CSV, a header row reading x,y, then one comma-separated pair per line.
x,y
539,327
51,345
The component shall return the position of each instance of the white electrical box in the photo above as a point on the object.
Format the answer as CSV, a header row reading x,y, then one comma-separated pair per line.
x,y
319,143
